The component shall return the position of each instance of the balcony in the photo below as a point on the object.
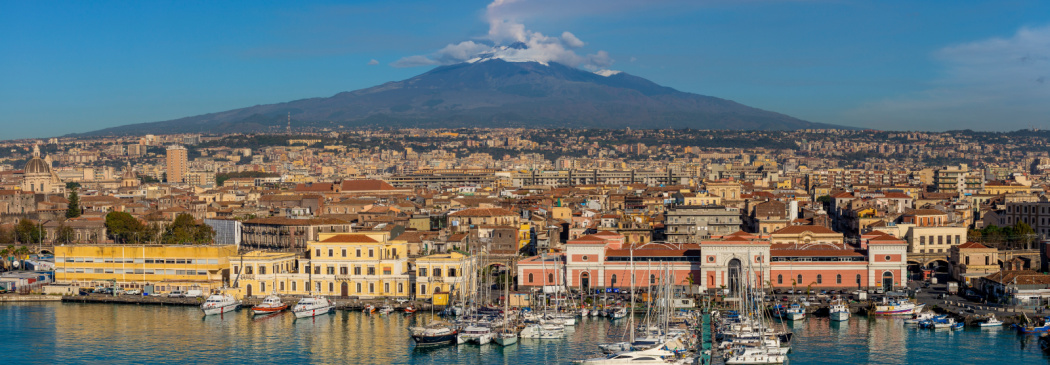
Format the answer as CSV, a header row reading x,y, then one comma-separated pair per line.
x,y
343,278
247,277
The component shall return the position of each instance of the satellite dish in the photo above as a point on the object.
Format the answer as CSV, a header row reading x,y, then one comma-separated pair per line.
x,y
15,264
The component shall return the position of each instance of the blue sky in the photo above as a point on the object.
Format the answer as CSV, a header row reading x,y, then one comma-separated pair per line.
x,y
898,65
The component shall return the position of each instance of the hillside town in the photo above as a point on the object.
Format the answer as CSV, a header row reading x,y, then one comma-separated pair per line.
x,y
407,213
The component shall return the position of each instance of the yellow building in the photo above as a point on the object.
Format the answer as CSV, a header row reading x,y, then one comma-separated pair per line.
x,y
364,265
444,273
259,273
524,234
166,267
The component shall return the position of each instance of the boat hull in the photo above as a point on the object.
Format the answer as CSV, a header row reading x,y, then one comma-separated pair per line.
x,y
220,309
438,340
313,312
506,341
840,316
260,311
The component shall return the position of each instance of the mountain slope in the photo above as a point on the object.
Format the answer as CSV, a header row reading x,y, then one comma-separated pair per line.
x,y
494,93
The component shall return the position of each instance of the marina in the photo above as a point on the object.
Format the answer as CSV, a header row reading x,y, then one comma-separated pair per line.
x,y
77,333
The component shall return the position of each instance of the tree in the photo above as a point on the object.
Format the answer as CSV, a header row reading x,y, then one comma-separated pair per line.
x,y
72,185
22,253
64,234
5,253
186,230
27,231
73,209
7,235
124,228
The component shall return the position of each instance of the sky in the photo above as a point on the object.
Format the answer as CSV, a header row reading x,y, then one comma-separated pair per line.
x,y
78,66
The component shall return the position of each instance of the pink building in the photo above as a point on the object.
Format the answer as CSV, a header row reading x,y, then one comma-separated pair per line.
x,y
603,261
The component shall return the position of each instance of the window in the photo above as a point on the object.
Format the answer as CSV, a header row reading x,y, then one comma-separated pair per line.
x,y
780,279
293,286
371,287
317,286
820,279
318,253
652,279
282,286
799,281
262,270
317,270
371,253
357,270
858,279
550,278
958,239
423,272
331,252
437,272
452,272
331,287
371,271
359,253
422,288
940,240
400,287
922,240
331,270
710,259
585,258
838,279
358,287
344,252
386,287
530,277
887,257
342,270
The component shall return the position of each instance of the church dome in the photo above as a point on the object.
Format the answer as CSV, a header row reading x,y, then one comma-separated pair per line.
x,y
36,165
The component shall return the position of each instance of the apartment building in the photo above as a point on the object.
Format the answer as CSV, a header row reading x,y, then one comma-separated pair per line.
x,y
155,268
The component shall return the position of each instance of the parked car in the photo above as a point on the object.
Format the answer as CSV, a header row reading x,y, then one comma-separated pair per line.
x,y
177,294
133,292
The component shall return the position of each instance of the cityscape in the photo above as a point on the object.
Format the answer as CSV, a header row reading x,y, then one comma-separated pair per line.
x,y
521,201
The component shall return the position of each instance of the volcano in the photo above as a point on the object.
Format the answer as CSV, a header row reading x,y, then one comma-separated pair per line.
x,y
494,93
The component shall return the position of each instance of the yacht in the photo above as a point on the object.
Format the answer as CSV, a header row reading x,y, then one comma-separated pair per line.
x,y
618,313
434,334
476,334
506,338
386,309
543,331
219,303
754,355
270,305
312,306
662,354
839,312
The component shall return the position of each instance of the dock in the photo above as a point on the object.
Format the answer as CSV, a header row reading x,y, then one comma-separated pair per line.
x,y
340,304
29,298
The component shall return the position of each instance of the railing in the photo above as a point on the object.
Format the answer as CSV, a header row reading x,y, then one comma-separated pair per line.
x,y
342,277
247,277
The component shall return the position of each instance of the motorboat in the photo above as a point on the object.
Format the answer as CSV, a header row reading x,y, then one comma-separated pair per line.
x,y
793,312
369,308
991,322
1032,328
618,313
657,355
219,303
386,309
919,317
270,305
896,307
410,309
475,334
839,312
754,355
312,306
584,312
543,331
434,334
615,348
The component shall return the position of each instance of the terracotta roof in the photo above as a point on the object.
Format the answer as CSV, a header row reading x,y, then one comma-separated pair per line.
x,y
482,212
365,185
314,187
801,229
350,238
587,240
925,212
972,245
1019,277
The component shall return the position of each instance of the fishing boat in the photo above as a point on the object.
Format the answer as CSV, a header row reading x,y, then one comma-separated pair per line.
x,y
311,306
219,303
991,322
434,334
839,312
793,312
1031,328
410,309
369,309
896,307
386,309
270,305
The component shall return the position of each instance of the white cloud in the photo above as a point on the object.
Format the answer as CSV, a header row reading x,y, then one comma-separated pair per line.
x,y
373,62
511,41
990,84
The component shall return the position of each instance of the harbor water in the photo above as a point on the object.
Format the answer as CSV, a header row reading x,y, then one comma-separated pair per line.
x,y
50,333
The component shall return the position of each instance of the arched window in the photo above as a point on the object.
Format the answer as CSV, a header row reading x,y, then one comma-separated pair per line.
x,y
614,280
799,281
858,279
780,279
820,278
838,279
530,277
550,278
652,279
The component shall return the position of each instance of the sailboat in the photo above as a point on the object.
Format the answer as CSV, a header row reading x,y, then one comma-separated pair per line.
x,y
506,336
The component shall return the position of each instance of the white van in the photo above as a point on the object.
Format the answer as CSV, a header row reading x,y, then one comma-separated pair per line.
x,y
194,293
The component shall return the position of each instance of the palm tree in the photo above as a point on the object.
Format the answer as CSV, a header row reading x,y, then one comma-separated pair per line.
x,y
3,256
22,253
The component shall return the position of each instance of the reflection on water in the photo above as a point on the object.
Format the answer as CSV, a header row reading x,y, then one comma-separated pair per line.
x,y
49,333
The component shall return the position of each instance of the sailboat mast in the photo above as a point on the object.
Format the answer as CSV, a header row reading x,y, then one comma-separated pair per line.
x,y
630,310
